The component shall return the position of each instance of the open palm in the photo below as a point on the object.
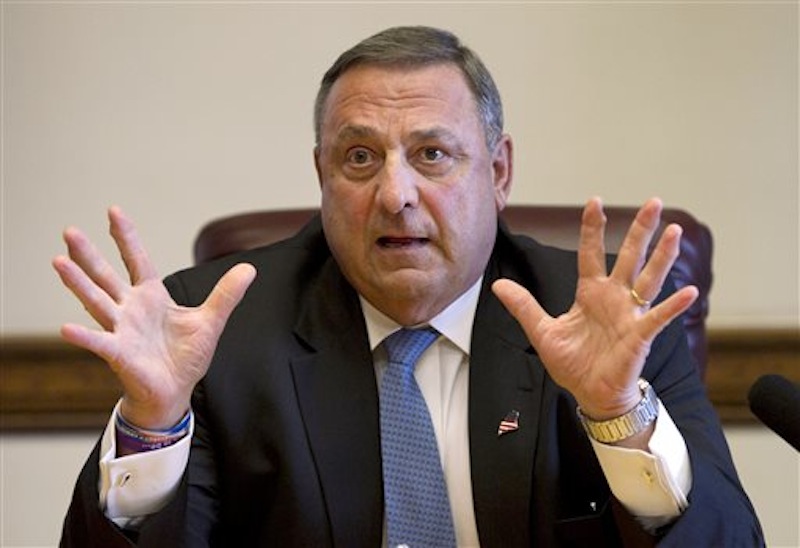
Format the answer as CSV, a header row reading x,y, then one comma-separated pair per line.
x,y
597,349
157,349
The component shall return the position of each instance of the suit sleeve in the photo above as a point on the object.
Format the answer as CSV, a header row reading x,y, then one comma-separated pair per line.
x,y
87,526
719,512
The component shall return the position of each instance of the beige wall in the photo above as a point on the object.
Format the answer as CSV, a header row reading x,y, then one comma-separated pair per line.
x,y
184,111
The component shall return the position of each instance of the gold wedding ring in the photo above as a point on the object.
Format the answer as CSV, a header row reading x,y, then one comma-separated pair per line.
x,y
639,301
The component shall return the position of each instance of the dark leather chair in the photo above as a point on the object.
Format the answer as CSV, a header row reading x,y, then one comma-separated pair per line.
x,y
553,225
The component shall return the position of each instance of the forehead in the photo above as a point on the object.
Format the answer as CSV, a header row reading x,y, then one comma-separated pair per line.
x,y
371,95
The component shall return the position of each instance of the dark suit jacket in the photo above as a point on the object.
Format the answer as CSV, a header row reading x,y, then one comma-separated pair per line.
x,y
287,452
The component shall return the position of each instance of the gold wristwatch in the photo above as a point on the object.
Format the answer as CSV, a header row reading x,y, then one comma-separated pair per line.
x,y
631,423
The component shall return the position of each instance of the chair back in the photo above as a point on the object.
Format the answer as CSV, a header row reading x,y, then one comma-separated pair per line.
x,y
557,226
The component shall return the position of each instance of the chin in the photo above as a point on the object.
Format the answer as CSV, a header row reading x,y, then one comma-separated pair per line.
x,y
414,299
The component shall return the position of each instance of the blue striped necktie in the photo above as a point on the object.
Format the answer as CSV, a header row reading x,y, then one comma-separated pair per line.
x,y
417,506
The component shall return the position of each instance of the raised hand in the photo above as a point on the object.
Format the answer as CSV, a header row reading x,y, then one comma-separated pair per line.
x,y
158,350
597,349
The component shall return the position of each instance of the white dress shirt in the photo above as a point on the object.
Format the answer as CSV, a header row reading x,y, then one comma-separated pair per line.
x,y
653,486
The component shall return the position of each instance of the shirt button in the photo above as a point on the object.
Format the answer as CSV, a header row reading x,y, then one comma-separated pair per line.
x,y
648,477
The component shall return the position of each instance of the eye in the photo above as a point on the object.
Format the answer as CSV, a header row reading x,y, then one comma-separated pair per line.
x,y
359,156
433,161
360,162
432,154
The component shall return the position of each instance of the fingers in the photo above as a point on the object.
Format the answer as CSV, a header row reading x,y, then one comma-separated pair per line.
x,y
97,302
228,291
651,278
591,250
86,256
522,305
661,315
133,253
634,247
633,269
92,279
97,342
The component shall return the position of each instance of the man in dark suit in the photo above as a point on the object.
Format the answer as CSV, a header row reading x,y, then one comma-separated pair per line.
x,y
252,402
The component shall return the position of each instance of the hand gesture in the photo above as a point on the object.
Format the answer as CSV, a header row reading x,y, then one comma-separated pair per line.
x,y
597,349
158,350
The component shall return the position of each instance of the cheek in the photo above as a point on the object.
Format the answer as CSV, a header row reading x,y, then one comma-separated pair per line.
x,y
345,203
467,204
344,218
467,218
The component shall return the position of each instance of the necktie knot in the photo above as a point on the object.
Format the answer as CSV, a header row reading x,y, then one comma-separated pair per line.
x,y
407,345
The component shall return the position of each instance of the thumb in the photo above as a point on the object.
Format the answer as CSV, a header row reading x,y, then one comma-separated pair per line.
x,y
520,304
229,290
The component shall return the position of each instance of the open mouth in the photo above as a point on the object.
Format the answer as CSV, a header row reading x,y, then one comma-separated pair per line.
x,y
400,242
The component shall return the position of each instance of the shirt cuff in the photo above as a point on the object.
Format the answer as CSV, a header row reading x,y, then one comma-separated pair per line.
x,y
652,486
134,486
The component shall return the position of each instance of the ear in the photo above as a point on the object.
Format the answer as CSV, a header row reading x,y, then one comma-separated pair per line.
x,y
502,169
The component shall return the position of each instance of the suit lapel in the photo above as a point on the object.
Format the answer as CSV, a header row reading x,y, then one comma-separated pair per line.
x,y
338,398
506,373
505,376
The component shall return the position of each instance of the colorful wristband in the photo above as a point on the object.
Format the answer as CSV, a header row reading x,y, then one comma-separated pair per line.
x,y
131,439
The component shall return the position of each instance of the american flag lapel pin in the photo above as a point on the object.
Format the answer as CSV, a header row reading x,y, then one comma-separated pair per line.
x,y
510,423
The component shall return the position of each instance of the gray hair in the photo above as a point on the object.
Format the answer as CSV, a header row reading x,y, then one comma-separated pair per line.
x,y
413,47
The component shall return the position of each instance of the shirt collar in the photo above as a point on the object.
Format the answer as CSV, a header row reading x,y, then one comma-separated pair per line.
x,y
454,322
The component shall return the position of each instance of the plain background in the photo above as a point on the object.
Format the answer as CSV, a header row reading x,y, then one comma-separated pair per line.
x,y
185,111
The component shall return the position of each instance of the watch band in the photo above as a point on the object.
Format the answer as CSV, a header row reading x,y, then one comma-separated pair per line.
x,y
631,423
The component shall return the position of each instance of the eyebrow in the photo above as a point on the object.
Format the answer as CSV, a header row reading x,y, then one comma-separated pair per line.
x,y
435,133
360,132
354,132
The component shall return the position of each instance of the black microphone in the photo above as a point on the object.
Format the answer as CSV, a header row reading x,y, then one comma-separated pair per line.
x,y
776,402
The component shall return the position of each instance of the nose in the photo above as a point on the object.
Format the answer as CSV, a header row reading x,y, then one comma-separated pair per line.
x,y
397,186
